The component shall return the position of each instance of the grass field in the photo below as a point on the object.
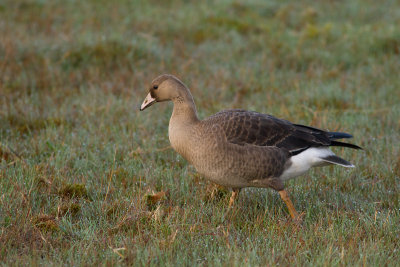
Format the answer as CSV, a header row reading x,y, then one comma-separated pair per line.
x,y
80,166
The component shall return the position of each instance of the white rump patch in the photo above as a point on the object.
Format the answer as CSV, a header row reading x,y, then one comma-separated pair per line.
x,y
307,159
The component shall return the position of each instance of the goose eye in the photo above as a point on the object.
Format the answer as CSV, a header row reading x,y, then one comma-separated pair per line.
x,y
155,87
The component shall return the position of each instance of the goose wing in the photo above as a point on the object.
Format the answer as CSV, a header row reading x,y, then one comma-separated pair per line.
x,y
247,127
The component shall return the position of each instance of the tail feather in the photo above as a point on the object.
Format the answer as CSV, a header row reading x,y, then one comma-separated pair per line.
x,y
338,161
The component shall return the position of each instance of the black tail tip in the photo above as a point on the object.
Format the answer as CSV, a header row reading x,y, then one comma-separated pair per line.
x,y
338,161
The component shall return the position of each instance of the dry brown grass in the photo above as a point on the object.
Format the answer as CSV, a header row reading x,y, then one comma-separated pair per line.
x,y
88,180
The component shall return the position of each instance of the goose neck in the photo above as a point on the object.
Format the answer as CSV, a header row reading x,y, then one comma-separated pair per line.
x,y
184,111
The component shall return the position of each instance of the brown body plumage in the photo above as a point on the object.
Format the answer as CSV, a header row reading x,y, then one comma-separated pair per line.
x,y
238,148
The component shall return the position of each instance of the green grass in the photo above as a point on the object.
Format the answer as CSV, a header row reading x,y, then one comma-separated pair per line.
x,y
79,162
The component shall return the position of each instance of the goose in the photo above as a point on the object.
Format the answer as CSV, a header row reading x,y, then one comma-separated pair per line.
x,y
238,148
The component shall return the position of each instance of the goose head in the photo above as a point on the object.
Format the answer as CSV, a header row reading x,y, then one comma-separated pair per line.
x,y
164,88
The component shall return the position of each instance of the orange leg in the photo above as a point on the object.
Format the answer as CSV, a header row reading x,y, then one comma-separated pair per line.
x,y
235,194
289,204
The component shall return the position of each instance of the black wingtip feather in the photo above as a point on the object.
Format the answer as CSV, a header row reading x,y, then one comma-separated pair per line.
x,y
337,143
339,135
